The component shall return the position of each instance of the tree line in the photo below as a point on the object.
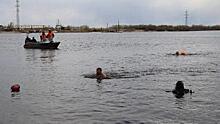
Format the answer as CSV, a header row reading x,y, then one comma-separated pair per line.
x,y
166,27
117,28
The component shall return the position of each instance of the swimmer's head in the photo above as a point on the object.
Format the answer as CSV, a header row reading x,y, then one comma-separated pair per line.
x,y
177,53
98,70
179,86
181,52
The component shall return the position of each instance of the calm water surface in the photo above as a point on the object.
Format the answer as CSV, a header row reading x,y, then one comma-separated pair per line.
x,y
54,90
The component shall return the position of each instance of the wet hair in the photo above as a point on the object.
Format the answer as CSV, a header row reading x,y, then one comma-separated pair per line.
x,y
181,53
179,90
179,86
99,75
99,69
177,53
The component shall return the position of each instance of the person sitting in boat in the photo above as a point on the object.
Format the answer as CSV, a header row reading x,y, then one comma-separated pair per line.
x,y
181,52
50,35
43,36
179,90
33,39
100,75
27,39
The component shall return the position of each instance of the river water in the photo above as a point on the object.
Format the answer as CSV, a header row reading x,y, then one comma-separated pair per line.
x,y
54,89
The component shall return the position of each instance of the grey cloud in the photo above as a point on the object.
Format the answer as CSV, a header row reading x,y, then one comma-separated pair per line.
x,y
100,12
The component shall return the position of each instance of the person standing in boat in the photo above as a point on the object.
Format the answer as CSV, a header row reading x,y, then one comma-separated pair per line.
x,y
43,36
50,35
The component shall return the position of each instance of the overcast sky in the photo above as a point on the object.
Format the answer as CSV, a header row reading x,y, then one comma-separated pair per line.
x,y
101,12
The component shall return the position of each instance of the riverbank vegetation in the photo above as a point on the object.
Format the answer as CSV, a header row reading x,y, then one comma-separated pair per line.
x,y
114,28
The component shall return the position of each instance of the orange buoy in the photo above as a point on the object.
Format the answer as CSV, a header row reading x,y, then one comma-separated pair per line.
x,y
15,88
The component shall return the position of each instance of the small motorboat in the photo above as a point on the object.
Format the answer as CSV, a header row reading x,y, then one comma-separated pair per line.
x,y
34,44
41,45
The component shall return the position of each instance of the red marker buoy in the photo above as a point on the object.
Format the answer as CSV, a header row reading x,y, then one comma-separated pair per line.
x,y
15,88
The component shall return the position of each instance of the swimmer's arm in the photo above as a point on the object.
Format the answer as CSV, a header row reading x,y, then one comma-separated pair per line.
x,y
168,91
105,76
188,91
174,92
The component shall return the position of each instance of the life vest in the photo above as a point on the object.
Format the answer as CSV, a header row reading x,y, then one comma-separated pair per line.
x,y
50,35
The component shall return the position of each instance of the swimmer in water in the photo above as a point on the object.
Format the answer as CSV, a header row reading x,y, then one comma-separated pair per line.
x,y
179,90
181,52
100,75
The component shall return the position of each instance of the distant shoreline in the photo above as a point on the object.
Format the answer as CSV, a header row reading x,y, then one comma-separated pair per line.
x,y
112,29
12,32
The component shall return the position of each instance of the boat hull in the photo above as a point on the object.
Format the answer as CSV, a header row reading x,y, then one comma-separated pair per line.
x,y
38,45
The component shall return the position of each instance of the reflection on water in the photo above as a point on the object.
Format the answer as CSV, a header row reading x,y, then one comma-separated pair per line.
x,y
15,95
181,103
30,55
46,56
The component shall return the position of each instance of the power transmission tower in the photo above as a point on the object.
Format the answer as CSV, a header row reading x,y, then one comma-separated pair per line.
x,y
118,26
186,18
17,14
107,29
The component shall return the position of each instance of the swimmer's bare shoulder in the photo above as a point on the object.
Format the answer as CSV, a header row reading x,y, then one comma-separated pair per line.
x,y
107,77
